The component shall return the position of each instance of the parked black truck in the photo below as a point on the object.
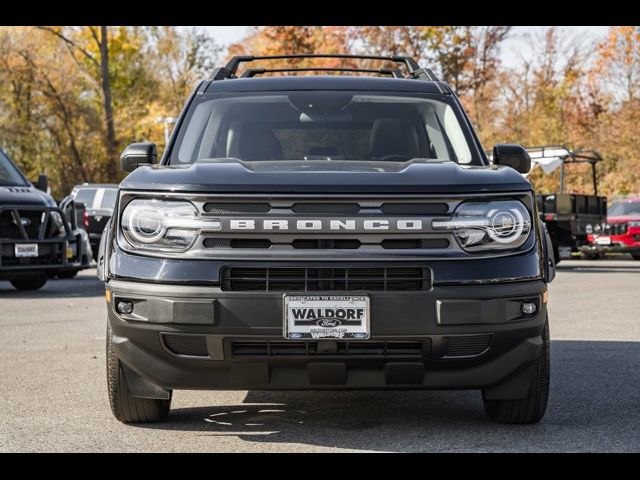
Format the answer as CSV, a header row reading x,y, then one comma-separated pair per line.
x,y
326,232
38,238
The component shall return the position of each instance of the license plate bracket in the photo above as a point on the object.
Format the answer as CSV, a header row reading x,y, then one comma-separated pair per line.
x,y
326,317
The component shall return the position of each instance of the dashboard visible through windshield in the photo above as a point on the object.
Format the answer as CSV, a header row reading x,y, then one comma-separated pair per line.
x,y
323,125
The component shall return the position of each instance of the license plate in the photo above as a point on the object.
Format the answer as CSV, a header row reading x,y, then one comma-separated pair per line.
x,y
26,250
603,240
317,317
565,252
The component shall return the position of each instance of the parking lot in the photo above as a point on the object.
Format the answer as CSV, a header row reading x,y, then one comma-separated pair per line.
x,y
53,391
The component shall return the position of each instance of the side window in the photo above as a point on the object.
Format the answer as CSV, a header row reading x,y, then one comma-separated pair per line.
x,y
436,137
190,142
456,136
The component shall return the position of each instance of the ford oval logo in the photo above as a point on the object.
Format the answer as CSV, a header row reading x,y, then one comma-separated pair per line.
x,y
295,335
328,322
25,222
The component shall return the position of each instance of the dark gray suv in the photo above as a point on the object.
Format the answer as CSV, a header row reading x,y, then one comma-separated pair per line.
x,y
326,232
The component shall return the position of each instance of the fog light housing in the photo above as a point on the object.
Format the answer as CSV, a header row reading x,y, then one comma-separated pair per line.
x,y
125,307
528,308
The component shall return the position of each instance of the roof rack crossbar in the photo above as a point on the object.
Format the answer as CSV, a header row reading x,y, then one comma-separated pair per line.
x,y
252,72
413,69
571,156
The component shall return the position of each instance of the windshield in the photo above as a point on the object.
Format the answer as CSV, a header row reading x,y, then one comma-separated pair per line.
x,y
97,198
85,195
9,174
624,208
323,125
109,199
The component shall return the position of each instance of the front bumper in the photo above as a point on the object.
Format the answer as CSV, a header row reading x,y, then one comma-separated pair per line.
x,y
52,258
627,243
450,337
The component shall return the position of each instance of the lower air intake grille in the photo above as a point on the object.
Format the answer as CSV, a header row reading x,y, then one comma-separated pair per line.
x,y
467,345
189,345
279,348
281,279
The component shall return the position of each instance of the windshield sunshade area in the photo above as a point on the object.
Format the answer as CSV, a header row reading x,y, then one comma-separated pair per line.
x,y
323,125
9,174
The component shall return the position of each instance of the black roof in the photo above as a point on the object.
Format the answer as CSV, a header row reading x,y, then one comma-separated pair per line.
x,y
324,82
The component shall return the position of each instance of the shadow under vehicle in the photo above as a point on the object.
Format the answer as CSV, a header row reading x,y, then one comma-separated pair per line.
x,y
38,239
570,217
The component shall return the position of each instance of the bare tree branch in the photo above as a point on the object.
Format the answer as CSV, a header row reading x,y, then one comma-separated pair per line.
x,y
71,43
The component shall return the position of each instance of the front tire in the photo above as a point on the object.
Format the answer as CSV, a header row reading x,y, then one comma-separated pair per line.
x,y
29,283
125,407
590,256
635,256
531,408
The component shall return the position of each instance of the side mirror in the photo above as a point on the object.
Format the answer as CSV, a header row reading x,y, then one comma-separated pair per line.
x,y
138,154
42,183
512,155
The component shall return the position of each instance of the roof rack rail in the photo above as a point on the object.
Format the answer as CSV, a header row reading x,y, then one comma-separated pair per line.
x,y
252,72
413,69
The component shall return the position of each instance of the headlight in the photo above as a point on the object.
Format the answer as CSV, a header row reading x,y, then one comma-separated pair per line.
x,y
159,225
588,229
479,226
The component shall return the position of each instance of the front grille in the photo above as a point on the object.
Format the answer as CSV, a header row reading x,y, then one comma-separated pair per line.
x,y
431,243
8,227
343,348
31,221
326,243
467,345
226,243
281,279
225,208
188,345
619,228
291,226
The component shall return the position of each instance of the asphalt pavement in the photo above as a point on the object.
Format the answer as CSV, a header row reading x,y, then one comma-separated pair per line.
x,y
53,389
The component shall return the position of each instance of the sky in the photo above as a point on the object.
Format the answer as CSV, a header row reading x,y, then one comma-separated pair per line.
x,y
512,48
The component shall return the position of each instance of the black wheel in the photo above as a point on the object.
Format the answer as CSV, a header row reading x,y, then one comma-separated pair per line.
x,y
126,408
29,283
531,408
590,256
67,274
635,256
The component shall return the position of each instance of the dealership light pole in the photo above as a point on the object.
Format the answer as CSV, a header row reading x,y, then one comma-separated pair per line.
x,y
166,121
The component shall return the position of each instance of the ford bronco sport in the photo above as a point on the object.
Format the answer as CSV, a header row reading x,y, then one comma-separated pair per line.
x,y
326,232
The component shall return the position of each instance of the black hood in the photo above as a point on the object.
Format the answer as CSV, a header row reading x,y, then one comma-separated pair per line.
x,y
234,176
29,196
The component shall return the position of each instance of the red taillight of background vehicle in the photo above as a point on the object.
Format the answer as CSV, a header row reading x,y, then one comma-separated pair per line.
x,y
85,219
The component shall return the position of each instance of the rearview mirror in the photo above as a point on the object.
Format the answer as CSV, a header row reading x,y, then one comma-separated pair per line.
x,y
512,155
138,154
42,183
